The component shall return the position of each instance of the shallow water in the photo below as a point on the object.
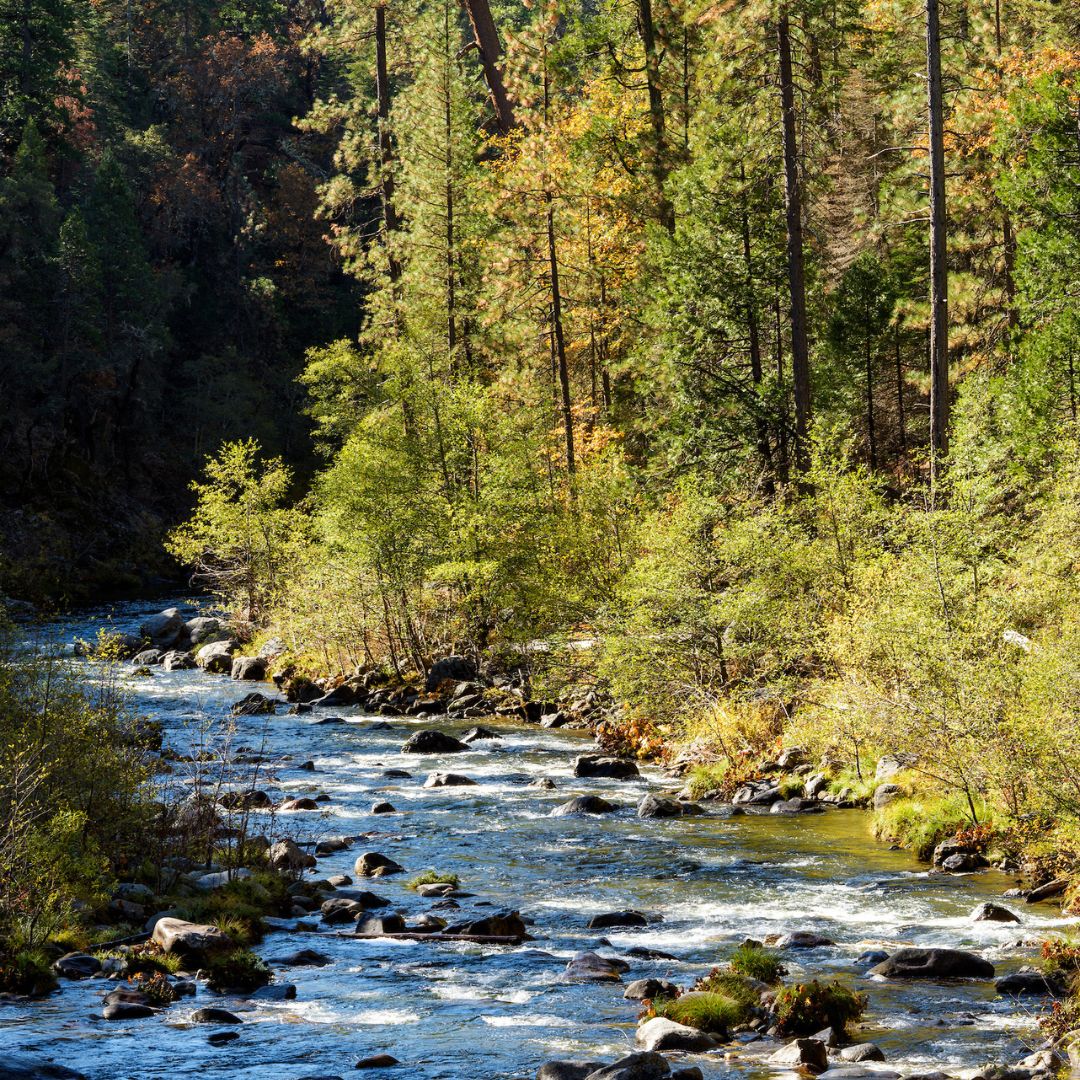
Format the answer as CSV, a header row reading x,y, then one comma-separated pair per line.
x,y
472,1012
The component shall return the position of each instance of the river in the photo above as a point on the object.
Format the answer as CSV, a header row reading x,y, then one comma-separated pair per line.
x,y
468,1011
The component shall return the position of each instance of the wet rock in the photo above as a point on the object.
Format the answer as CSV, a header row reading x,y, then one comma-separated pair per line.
x,y
1029,982
964,863
302,958
862,1052
77,966
342,910
427,924
651,954
254,704
643,1066
759,793
545,783
216,657
126,1010
584,804
479,734
276,992
381,924
662,1034
829,1036
325,720
214,1016
994,913
501,924
192,941
340,695
448,779
640,989
165,630
178,660
803,939
871,957
299,804
435,889
456,668
397,774
1047,891
618,918
655,806
377,1061
567,1070
307,766
589,967
372,864
797,805
816,785
285,855
249,668
20,1067
246,800
934,964
147,658
383,808
332,845
692,1073
805,1053
433,742
221,1038
594,765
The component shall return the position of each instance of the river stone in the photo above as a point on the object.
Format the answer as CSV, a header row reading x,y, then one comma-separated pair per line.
x,y
589,967
618,918
691,1073
644,1066
871,957
127,1010
299,804
377,1061
193,941
202,628
249,668
147,658
302,958
383,808
214,1016
178,660
594,765
285,855
77,966
1047,891
994,913
890,764
501,924
660,1033
166,630
567,1070
803,939
584,804
862,1052
372,864
457,668
759,793
655,806
278,992
798,805
19,1067
1028,982
222,878
216,657
477,734
435,889
246,800
254,704
431,741
342,910
964,863
807,1053
934,964
332,845
640,989
448,779
381,924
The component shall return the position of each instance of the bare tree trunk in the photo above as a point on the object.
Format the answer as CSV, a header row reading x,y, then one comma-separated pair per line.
x,y
656,114
557,336
939,273
386,183
900,394
490,48
800,349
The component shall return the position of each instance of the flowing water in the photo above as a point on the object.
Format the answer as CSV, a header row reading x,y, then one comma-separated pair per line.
x,y
475,1012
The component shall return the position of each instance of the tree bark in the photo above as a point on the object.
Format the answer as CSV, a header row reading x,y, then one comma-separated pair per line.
x,y
939,273
657,120
557,336
386,182
800,349
489,46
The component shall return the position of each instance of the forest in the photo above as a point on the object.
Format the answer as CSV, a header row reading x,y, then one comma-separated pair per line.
x,y
710,366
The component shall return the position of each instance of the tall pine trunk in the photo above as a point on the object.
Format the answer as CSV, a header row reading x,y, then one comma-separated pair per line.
x,y
657,119
490,48
386,182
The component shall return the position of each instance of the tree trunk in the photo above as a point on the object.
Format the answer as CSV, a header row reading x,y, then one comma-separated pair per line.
x,y
490,48
939,273
800,349
871,434
900,395
557,336
386,184
657,119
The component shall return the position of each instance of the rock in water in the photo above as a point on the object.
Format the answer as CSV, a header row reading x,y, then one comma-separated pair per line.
x,y
994,913
584,804
216,657
618,918
448,779
567,1070
662,1034
431,741
588,967
377,1061
645,1066
192,941
653,806
808,1053
249,668
214,1016
934,964
372,864
641,989
19,1067
593,765
285,855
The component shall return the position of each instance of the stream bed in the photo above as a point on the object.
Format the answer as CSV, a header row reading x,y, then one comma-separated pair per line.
x,y
474,1012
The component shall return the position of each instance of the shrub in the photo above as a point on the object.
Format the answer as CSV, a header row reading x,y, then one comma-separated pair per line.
x,y
805,1008
432,877
239,971
923,822
157,988
26,972
1063,1017
757,963
704,1010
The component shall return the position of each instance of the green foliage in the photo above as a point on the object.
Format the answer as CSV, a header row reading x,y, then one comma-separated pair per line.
x,y
432,877
26,971
238,972
757,963
923,822
704,1010
806,1008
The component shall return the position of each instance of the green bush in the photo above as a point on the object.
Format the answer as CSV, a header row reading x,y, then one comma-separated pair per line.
x,y
757,963
432,877
704,1010
26,972
806,1008
240,971
921,823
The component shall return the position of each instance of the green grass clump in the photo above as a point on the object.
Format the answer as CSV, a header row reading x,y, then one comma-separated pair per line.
x,y
27,971
757,963
703,780
704,1010
806,1008
924,821
432,877
240,971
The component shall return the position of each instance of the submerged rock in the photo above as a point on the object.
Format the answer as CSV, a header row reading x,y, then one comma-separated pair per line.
x,y
589,967
644,1066
20,1067
448,779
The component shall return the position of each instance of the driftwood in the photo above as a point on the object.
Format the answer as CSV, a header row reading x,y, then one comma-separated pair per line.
x,y
479,939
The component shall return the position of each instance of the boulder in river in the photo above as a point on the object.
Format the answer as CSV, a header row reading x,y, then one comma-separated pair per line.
x,y
584,804
809,1054
567,1070
457,668
642,1066
165,630
77,966
203,629
381,924
803,939
125,1010
448,779
249,668
178,660
1029,982
618,918
660,1033
656,806
383,808
994,913
430,741
640,989
372,864
934,964
798,805
214,1016
479,734
501,924
216,657
299,804
192,941
862,1052
20,1067
589,967
285,855
377,1061
302,958
254,704
147,658
612,768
